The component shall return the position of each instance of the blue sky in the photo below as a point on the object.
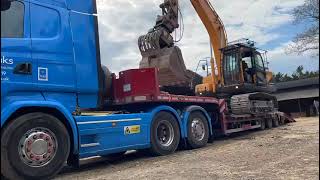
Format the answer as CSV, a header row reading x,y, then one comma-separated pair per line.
x,y
268,22
290,62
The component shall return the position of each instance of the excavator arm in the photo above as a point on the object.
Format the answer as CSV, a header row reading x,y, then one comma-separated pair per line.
x,y
159,37
158,48
217,34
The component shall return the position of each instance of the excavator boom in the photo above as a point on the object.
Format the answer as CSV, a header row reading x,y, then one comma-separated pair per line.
x,y
217,34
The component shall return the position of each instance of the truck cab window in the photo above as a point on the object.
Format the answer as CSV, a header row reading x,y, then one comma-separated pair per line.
x,y
247,67
247,61
259,61
12,20
231,68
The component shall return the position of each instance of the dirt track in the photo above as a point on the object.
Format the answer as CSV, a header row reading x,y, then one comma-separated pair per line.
x,y
287,152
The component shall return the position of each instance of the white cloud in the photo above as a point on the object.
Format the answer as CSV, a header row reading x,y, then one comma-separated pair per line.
x,y
287,63
123,21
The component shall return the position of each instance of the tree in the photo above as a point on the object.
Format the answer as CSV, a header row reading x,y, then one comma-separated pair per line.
x,y
297,75
308,40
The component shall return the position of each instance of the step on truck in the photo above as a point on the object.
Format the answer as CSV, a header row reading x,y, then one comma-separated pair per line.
x,y
59,104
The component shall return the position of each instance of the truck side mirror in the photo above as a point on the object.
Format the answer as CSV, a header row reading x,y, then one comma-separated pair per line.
x,y
5,4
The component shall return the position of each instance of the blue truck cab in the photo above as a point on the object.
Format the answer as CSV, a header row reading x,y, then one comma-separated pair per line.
x,y
51,71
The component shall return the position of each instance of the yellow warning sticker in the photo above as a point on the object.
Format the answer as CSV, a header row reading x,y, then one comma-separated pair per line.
x,y
132,130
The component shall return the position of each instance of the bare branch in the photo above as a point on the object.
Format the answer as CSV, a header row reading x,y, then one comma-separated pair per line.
x,y
309,39
308,11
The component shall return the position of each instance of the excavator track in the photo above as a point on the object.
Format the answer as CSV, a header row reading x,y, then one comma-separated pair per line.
x,y
253,103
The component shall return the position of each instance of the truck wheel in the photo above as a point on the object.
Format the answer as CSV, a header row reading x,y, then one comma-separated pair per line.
x,y
263,124
198,130
275,122
165,134
34,146
269,123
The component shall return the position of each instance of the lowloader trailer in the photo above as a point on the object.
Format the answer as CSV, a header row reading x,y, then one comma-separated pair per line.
x,y
42,137
59,104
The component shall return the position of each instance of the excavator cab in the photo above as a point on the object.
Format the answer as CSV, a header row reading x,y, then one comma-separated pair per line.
x,y
243,70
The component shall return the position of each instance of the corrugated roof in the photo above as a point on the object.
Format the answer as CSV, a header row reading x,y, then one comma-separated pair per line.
x,y
298,83
298,94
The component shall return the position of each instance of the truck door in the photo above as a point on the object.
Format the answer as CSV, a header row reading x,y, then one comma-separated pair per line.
x,y
18,69
52,48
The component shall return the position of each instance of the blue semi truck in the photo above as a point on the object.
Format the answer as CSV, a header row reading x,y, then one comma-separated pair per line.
x,y
59,104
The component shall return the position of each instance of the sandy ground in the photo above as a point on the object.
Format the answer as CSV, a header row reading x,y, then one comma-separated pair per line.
x,y
287,152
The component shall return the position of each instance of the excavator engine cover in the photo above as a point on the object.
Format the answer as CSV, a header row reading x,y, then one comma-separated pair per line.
x,y
170,63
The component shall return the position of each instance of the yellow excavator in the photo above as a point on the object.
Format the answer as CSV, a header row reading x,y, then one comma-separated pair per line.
x,y
239,73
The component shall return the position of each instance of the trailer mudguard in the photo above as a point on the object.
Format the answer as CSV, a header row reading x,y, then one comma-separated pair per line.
x,y
12,107
186,115
173,112
169,109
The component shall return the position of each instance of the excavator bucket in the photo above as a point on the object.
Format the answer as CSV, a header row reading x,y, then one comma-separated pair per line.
x,y
158,50
169,61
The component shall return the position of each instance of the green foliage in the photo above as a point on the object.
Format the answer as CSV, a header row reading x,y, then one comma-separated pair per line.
x,y
297,75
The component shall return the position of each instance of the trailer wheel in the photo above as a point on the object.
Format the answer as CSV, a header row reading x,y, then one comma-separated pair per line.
x,y
263,124
34,146
198,130
269,123
165,134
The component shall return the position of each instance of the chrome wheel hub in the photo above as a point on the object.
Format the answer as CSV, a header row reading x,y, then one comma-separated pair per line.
x,y
165,133
38,147
197,129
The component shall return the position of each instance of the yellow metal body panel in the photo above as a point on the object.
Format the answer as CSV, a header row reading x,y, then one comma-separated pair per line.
x,y
218,37
269,76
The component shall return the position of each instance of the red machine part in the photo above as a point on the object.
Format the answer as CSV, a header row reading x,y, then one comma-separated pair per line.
x,y
135,83
142,85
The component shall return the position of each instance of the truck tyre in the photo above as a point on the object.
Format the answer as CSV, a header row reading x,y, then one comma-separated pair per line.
x,y
198,130
263,124
34,146
165,134
269,123
275,122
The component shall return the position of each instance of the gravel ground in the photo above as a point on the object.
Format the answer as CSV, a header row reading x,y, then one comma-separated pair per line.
x,y
287,152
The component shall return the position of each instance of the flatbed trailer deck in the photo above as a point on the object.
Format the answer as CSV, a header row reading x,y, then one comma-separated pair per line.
x,y
131,90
